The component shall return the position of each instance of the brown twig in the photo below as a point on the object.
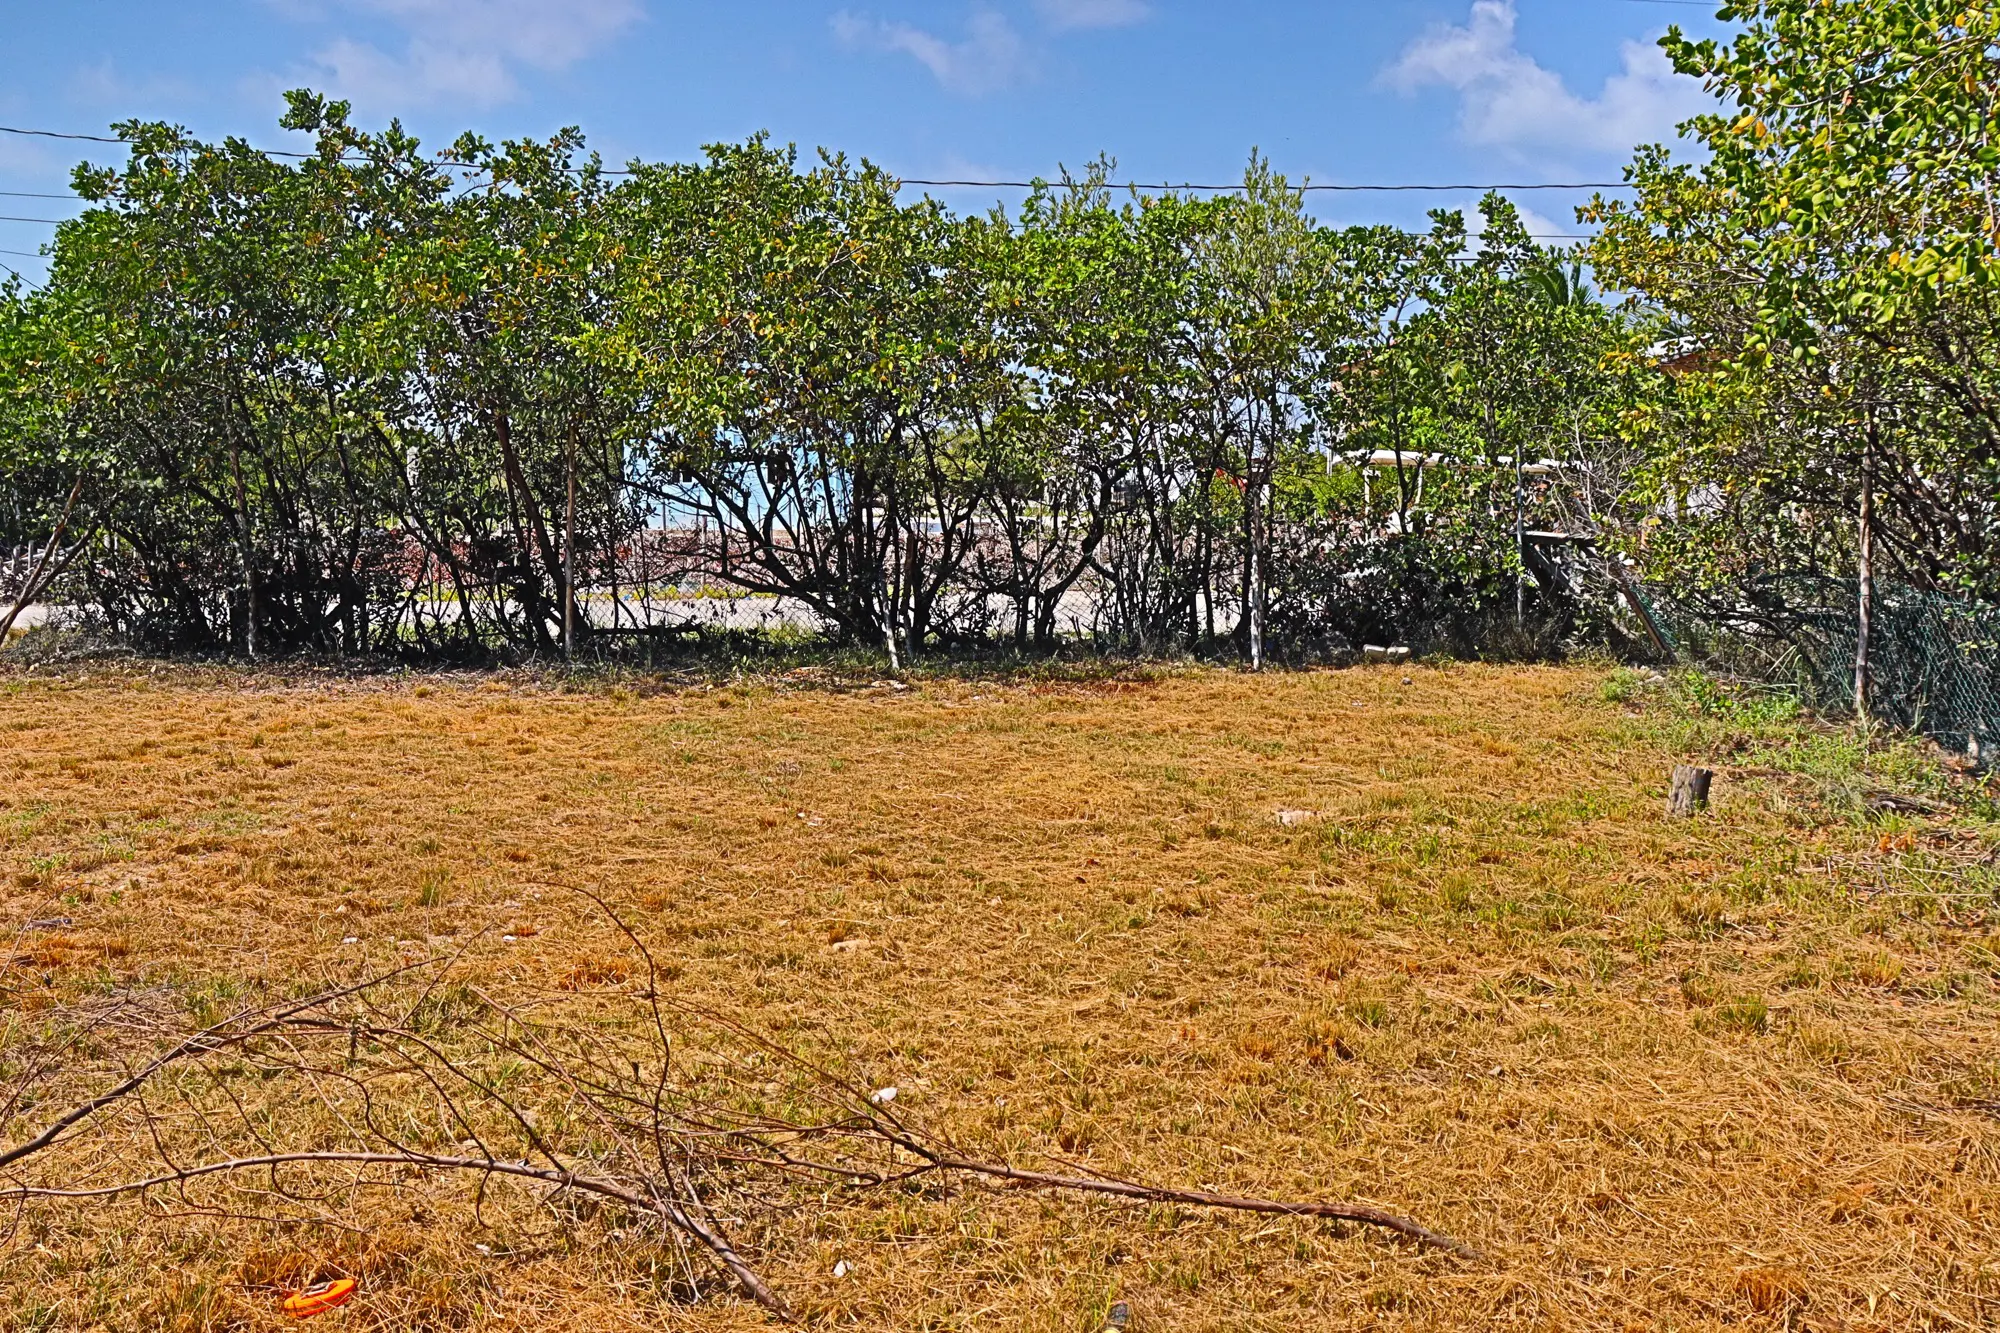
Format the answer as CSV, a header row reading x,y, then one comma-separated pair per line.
x,y
1361,1213
753,1285
206,1042
681,1154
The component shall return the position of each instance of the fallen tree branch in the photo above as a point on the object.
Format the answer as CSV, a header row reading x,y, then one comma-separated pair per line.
x,y
941,1155
753,1286
206,1042
1361,1213
683,1149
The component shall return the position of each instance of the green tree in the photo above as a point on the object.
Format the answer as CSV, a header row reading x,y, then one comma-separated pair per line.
x,y
820,381
1830,270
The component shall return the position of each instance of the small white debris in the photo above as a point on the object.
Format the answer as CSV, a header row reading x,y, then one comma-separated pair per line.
x,y
1294,818
352,939
882,1096
484,1249
340,910
841,1269
992,902
1496,1072
1376,653
507,939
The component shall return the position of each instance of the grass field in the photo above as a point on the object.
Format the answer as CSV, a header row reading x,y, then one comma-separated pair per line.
x,y
1739,1071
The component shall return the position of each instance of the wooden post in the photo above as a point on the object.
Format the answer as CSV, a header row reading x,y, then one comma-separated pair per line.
x,y
1688,796
1638,605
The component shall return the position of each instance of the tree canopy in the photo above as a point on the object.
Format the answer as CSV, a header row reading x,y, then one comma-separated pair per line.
x,y
497,398
480,399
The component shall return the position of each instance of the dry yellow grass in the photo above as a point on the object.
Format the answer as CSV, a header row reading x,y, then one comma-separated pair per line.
x,y
1734,1072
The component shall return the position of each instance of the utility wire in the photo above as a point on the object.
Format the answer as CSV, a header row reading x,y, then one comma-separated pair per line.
x,y
1375,189
985,184
58,134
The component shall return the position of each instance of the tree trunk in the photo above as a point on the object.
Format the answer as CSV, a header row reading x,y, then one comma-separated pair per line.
x,y
249,565
1520,544
1688,795
1256,598
1253,590
1865,574
889,552
41,574
569,550
529,527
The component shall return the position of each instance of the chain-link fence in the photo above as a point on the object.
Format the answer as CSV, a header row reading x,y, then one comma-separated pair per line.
x,y
1934,660
1933,663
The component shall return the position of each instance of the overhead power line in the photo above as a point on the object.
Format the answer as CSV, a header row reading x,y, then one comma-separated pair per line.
x,y
1373,189
58,134
990,184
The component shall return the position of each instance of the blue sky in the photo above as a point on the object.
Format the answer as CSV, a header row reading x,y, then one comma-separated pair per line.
x,y
1341,91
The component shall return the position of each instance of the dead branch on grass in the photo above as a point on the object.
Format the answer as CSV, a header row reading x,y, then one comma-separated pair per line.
x,y
587,1095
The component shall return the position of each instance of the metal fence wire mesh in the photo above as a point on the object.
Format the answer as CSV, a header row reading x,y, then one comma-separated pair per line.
x,y
1934,665
1934,660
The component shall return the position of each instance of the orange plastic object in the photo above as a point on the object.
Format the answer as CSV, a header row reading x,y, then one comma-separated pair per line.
x,y
318,1300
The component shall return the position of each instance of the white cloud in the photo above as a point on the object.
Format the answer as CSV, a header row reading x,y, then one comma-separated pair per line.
x,y
373,79
103,84
1547,230
548,34
1543,230
991,56
1508,100
464,50
1063,15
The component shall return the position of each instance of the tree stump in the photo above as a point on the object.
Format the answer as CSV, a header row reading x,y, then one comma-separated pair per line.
x,y
1688,795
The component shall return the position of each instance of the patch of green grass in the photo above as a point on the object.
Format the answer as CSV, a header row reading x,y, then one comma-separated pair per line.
x,y
1768,727
1629,685
1745,1014
432,888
